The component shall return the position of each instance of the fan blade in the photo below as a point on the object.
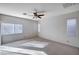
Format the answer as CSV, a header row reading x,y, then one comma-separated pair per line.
x,y
41,15
35,17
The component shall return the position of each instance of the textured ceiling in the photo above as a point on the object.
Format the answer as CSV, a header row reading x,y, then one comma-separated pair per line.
x,y
16,9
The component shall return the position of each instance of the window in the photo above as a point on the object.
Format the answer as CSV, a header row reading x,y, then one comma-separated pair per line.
x,y
71,27
7,28
18,28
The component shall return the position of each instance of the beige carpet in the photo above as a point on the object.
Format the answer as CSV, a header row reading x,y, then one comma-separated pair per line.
x,y
52,48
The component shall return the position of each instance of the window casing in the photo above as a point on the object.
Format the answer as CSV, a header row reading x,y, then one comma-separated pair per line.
x,y
71,27
8,28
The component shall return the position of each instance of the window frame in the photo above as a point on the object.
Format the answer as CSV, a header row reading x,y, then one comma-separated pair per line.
x,y
3,30
73,34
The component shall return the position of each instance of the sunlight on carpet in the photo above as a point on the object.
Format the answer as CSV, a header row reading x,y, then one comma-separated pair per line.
x,y
20,50
37,44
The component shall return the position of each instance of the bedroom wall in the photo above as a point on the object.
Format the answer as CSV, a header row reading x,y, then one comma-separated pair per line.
x,y
29,28
55,28
0,35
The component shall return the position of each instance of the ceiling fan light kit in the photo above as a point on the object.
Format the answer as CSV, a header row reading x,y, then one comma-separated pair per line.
x,y
36,14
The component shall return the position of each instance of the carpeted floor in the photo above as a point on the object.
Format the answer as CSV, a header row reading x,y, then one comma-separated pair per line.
x,y
45,46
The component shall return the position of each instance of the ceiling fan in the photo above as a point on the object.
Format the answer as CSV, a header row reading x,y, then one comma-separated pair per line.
x,y
36,14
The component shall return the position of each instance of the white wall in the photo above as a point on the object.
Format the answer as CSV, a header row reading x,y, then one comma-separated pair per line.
x,y
0,34
29,28
55,28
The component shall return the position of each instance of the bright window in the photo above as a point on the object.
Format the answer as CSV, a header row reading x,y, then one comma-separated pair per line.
x,y
7,28
71,27
18,28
